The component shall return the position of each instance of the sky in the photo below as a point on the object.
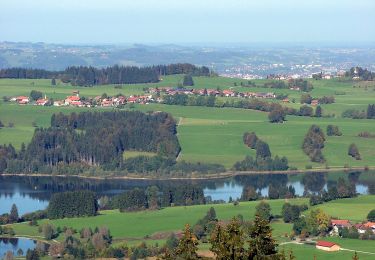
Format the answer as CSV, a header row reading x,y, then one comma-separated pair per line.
x,y
187,21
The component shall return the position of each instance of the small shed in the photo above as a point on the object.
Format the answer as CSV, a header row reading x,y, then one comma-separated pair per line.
x,y
327,246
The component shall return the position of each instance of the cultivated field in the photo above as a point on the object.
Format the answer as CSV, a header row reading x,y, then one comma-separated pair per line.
x,y
215,134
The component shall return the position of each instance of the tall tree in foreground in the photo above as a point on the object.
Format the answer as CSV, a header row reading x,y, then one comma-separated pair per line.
x,y
187,247
228,242
261,243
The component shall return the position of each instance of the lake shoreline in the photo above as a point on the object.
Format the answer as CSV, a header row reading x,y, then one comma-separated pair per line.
x,y
223,175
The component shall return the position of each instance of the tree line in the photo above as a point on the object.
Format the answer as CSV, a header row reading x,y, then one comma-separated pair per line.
x,y
89,76
253,103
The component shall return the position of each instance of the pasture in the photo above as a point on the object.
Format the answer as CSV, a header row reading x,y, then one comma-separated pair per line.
x,y
215,134
134,227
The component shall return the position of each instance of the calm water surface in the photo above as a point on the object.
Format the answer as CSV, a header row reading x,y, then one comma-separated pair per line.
x,y
33,193
14,244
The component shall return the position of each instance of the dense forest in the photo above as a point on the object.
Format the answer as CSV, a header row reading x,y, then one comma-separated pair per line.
x,y
89,76
95,142
72,204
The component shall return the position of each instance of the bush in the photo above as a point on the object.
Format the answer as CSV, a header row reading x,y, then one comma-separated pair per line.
x,y
371,216
333,130
354,152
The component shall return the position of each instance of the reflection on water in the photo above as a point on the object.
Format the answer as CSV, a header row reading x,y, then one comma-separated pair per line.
x,y
33,193
15,244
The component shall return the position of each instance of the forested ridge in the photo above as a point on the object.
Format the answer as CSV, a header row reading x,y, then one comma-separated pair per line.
x,y
89,76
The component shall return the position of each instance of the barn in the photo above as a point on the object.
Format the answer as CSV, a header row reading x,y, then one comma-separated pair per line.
x,y
327,246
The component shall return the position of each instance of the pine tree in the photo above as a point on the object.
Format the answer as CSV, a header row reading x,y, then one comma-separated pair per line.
x,y
261,243
187,247
228,243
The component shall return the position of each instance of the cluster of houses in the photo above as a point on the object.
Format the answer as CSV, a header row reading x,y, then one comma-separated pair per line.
x,y
77,101
338,224
209,92
150,96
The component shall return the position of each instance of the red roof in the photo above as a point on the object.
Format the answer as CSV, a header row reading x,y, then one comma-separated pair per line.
x,y
340,222
325,243
74,98
369,224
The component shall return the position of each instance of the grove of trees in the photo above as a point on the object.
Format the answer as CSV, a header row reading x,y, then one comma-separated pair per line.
x,y
72,204
313,144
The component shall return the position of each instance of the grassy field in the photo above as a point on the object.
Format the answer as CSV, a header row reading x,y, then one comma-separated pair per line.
x,y
214,134
135,227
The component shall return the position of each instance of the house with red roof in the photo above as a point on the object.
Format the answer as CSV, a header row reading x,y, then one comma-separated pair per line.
x,y
71,100
41,102
338,224
22,100
327,246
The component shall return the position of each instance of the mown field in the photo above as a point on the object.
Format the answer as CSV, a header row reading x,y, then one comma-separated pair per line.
x,y
215,134
143,226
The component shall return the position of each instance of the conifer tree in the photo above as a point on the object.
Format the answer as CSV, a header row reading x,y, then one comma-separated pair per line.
x,y
261,243
187,247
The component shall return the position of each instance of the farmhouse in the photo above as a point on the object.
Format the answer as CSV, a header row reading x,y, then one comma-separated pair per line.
x,y
41,102
72,100
338,224
327,246
22,100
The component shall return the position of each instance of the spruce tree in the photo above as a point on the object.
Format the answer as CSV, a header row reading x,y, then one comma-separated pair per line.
x,y
187,247
261,243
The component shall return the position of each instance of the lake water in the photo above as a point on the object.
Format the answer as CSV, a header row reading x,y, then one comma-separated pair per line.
x,y
33,193
14,244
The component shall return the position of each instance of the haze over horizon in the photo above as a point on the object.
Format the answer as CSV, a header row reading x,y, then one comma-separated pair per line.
x,y
180,22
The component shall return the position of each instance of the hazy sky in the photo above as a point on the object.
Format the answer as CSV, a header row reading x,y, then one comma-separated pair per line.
x,y
184,21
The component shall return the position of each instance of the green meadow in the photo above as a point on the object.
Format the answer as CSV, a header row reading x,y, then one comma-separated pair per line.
x,y
215,134
134,227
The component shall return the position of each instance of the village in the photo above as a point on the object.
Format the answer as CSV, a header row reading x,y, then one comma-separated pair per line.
x,y
151,95
338,225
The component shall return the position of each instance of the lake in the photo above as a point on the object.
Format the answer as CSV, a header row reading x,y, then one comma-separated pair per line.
x,y
14,244
33,193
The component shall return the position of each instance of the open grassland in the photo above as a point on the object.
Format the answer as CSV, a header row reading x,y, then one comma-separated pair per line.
x,y
309,252
354,209
214,134
145,223
134,227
